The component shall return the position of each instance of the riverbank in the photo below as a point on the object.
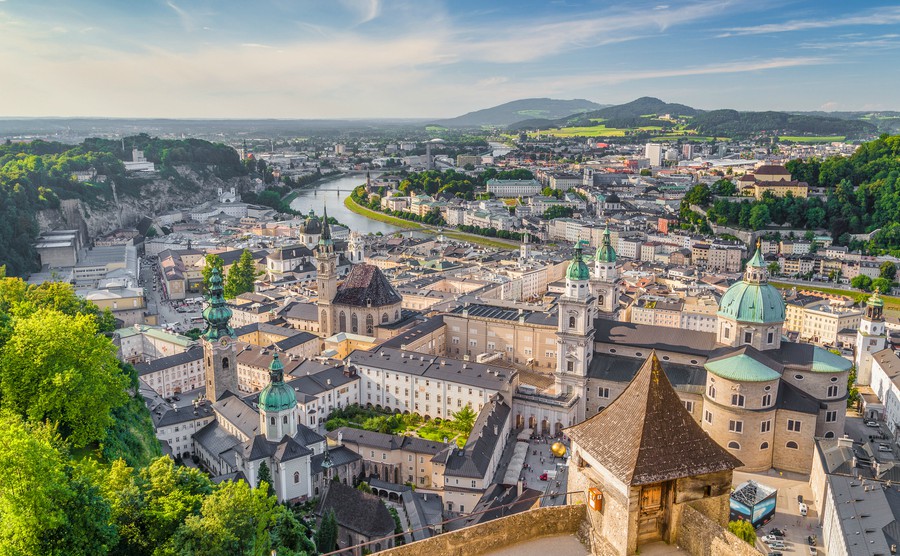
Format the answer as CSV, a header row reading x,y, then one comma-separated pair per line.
x,y
381,217
292,194
409,225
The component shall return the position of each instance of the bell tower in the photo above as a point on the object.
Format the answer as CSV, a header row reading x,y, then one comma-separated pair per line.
x,y
356,248
326,278
277,405
870,338
219,357
575,332
605,276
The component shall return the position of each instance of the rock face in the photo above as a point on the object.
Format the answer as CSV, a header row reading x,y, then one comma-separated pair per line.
x,y
157,196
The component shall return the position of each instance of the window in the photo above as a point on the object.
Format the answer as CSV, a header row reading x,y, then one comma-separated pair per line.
x,y
473,483
370,324
570,366
792,445
342,322
225,363
765,426
727,333
712,392
736,426
272,421
793,426
829,434
737,399
296,477
734,446
833,391
603,392
571,322
284,420
767,400
830,416
798,377
764,446
354,323
689,406
384,318
707,416
748,337
770,337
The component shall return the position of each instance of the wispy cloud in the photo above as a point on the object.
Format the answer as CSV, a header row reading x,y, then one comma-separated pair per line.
x,y
186,20
880,42
884,16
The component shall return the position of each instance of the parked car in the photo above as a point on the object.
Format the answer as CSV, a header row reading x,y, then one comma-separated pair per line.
x,y
803,509
543,476
776,531
777,545
872,424
772,538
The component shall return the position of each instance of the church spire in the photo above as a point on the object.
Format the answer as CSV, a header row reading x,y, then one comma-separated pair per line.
x,y
326,229
217,314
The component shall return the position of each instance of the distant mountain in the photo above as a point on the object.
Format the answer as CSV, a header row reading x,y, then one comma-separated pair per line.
x,y
645,116
524,109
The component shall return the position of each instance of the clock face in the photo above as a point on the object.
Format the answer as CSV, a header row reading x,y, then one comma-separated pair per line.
x,y
224,342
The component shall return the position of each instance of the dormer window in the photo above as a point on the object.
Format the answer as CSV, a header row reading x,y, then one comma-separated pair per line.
x,y
748,337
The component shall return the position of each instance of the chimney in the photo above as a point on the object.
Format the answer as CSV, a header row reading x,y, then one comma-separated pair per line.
x,y
496,430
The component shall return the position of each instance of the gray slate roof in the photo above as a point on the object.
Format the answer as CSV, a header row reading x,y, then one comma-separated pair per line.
x,y
358,511
663,338
474,459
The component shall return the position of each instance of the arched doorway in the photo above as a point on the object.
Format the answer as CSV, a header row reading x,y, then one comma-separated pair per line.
x,y
532,422
545,426
520,421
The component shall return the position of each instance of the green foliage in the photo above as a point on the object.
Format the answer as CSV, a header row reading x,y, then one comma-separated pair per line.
x,y
743,530
888,270
194,334
264,481
326,535
774,268
212,261
57,367
558,211
861,282
882,284
398,526
131,437
852,389
364,487
240,276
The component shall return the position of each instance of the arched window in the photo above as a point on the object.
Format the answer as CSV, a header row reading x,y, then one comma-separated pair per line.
x,y
737,399
712,392
571,322
734,446
224,362
342,322
832,391
792,445
370,324
396,315
383,318
296,477
600,299
284,420
829,434
272,421
354,323
764,446
767,400
324,319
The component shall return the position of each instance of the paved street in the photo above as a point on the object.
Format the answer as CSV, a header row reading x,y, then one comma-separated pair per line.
x,y
538,460
167,310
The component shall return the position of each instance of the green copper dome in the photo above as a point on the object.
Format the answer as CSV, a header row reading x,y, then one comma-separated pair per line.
x,y
606,253
577,269
753,299
217,315
875,300
276,396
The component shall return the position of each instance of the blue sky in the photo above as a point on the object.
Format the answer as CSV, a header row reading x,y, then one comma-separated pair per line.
x,y
424,58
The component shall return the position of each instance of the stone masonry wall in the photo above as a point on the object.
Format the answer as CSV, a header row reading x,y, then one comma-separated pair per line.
x,y
499,533
701,536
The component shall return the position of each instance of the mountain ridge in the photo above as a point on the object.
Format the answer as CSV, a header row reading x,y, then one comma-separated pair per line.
x,y
517,110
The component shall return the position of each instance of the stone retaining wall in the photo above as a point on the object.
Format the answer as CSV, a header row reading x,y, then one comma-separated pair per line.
x,y
701,536
499,533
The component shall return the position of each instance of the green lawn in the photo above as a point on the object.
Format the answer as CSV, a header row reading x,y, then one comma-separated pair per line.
x,y
599,130
379,216
812,138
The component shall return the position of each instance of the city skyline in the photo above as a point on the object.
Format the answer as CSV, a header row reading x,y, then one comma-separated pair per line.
x,y
373,59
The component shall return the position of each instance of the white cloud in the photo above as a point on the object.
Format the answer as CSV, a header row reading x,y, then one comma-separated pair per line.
x,y
886,16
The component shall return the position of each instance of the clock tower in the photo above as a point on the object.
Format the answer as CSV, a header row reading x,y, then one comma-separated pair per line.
x,y
871,337
326,278
219,355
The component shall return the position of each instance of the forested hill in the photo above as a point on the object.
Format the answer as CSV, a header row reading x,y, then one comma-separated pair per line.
x,y
653,113
518,110
37,175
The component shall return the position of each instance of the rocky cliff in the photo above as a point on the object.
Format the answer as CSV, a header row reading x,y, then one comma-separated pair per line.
x,y
123,209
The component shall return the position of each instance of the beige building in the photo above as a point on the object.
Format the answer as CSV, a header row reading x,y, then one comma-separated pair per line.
x,y
392,458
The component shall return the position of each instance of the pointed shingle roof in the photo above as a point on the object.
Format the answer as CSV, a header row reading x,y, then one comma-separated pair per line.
x,y
647,436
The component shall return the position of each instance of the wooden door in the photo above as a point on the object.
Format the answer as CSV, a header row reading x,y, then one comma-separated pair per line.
x,y
650,515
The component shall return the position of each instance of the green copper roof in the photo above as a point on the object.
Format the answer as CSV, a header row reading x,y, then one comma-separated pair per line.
x,y
875,300
277,396
761,303
742,368
606,253
757,260
826,362
325,238
217,314
577,269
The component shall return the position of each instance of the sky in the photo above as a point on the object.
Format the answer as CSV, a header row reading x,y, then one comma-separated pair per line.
x,y
433,59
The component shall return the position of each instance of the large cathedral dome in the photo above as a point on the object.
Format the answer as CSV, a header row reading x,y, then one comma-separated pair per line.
x,y
753,299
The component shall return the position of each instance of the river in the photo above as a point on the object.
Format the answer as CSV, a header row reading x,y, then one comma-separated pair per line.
x,y
332,193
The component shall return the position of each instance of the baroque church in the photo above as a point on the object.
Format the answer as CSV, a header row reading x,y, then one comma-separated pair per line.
x,y
761,397
265,428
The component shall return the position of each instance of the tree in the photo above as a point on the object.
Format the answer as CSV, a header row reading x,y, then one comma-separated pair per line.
x,y
888,270
465,418
212,261
759,217
265,478
558,211
743,530
171,494
364,487
326,535
861,282
883,284
774,268
57,367
241,276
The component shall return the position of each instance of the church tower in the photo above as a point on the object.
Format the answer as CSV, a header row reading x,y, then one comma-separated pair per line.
x,y
752,311
356,248
524,250
220,361
277,405
575,331
326,278
605,276
870,338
